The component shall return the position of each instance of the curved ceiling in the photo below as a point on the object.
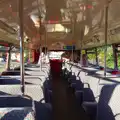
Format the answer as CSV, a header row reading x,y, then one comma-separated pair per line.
x,y
66,21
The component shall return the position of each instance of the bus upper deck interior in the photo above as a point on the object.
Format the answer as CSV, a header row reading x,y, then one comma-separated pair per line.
x,y
61,60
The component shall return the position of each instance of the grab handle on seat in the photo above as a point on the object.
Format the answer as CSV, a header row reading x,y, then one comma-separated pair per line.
x,y
87,84
79,73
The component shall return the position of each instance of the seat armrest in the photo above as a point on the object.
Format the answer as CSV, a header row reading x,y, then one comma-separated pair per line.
x,y
90,104
69,79
73,85
79,97
48,105
91,109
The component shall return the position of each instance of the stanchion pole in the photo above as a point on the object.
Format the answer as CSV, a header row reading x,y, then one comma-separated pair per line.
x,y
115,56
40,24
46,42
73,33
82,35
29,56
45,39
40,58
21,45
8,59
81,56
96,55
106,36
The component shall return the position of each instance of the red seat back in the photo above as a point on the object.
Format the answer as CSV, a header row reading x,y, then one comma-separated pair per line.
x,y
56,66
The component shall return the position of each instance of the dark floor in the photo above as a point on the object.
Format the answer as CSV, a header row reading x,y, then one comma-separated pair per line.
x,y
64,103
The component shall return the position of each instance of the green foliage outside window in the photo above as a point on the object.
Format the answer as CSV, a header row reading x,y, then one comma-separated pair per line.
x,y
110,58
26,52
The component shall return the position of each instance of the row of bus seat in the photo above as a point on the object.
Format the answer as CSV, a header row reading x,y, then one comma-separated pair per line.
x,y
99,97
47,90
10,85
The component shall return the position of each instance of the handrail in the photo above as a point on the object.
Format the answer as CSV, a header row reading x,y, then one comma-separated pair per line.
x,y
7,28
96,75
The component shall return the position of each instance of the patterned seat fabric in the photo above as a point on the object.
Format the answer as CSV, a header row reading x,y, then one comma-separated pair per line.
x,y
16,114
